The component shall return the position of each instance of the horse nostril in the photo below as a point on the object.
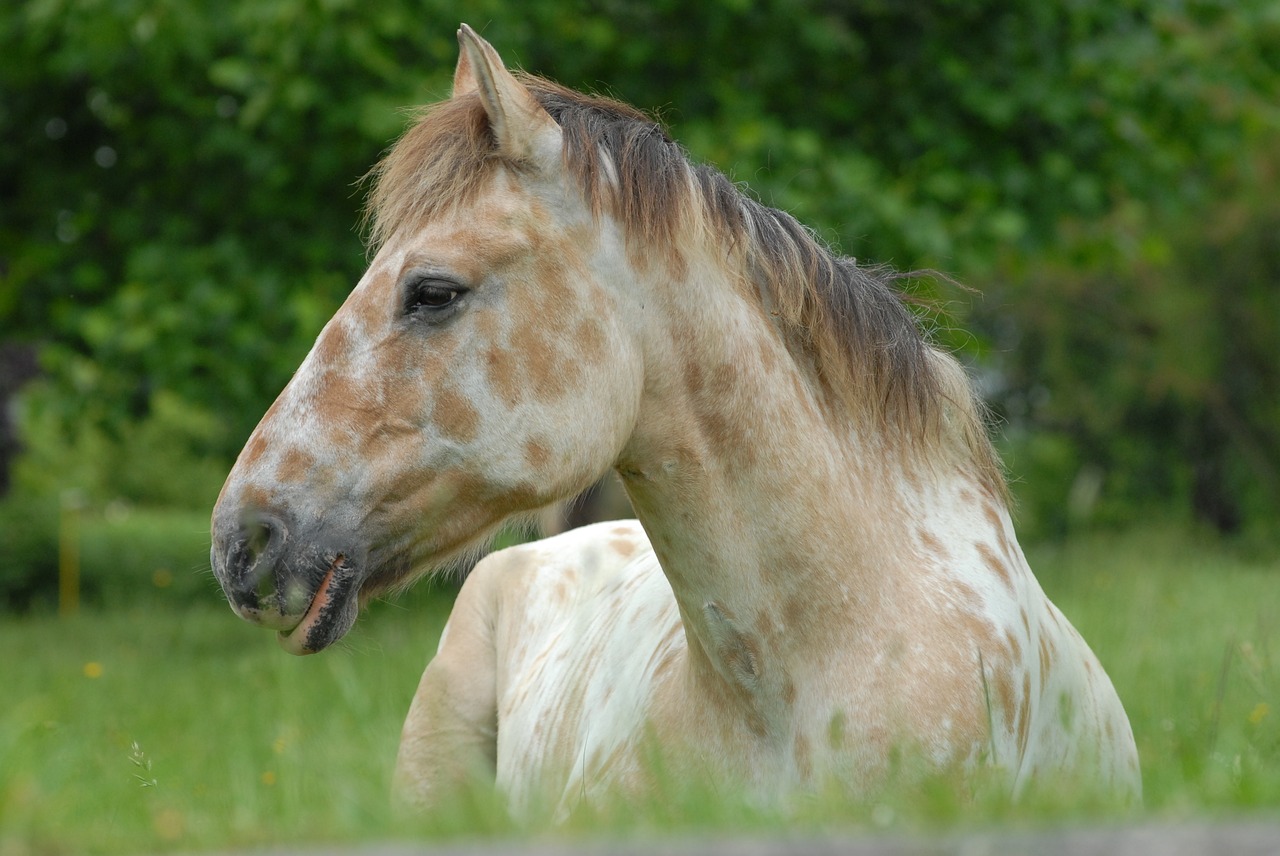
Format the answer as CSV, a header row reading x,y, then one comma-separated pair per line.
x,y
257,536
252,560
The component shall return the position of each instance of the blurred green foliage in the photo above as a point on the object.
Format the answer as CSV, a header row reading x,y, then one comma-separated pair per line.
x,y
127,557
1154,375
180,187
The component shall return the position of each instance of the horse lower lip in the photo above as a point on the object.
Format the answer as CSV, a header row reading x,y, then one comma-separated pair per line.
x,y
295,638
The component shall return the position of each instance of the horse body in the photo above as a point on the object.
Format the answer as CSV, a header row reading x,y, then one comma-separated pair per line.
x,y
824,574
595,680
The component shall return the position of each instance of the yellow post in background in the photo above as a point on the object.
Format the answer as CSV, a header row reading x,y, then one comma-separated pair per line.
x,y
69,507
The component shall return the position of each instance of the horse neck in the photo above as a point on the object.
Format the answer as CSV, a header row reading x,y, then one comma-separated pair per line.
x,y
772,521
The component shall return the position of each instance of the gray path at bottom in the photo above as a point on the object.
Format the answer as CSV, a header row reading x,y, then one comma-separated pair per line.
x,y
1250,838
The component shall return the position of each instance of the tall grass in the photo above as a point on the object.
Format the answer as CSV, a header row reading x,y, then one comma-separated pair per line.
x,y
167,724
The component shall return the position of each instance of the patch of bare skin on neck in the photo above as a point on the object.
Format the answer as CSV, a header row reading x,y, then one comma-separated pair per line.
x,y
732,647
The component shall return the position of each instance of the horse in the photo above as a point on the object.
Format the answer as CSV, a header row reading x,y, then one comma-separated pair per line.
x,y
823,577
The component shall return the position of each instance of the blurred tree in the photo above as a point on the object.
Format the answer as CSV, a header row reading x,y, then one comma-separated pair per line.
x,y
178,193
1156,368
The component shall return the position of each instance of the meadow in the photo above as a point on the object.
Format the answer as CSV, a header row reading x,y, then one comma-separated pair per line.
x,y
156,721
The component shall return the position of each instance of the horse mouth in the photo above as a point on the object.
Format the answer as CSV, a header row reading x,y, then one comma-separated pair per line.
x,y
329,615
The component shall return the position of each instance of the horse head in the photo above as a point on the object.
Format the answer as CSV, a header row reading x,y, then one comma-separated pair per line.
x,y
480,369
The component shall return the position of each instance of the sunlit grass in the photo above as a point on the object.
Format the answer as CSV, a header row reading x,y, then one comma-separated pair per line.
x,y
245,743
168,725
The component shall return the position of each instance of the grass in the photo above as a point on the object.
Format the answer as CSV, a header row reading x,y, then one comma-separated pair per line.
x,y
168,725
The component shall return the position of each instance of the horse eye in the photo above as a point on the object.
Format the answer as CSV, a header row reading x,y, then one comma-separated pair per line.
x,y
431,295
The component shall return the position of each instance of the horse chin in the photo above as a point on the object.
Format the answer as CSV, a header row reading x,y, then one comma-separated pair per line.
x,y
332,611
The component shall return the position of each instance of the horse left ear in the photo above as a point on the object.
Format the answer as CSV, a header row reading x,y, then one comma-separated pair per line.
x,y
515,116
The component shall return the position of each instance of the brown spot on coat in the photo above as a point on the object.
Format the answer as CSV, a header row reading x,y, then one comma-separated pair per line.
x,y
502,372
768,357
256,447
405,484
717,429
965,595
294,466
254,498
992,514
622,546
455,416
981,630
993,517
793,612
548,376
995,564
341,401
590,339
536,454
1015,647
333,344
933,545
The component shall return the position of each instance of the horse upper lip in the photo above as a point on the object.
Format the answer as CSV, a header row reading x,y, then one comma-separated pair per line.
x,y
269,617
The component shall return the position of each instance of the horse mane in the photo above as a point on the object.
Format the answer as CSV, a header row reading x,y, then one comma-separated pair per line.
x,y
848,320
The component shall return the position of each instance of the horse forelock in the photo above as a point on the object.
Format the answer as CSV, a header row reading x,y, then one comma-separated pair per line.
x,y
849,320
442,162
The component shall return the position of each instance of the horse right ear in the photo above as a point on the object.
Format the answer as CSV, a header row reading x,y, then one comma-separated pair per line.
x,y
515,116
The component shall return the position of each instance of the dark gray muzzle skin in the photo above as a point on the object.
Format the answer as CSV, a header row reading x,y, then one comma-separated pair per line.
x,y
285,577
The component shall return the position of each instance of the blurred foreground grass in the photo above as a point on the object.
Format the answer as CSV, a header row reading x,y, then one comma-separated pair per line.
x,y
162,723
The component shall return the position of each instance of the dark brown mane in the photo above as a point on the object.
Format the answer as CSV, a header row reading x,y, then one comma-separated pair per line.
x,y
848,320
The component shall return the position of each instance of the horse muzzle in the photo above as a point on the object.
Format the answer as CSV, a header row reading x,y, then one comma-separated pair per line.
x,y
278,576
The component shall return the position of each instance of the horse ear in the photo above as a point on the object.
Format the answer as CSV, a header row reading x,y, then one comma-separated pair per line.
x,y
515,116
464,77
